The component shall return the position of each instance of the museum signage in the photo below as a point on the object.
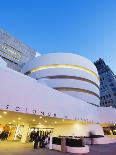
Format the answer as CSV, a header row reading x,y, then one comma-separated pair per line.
x,y
29,110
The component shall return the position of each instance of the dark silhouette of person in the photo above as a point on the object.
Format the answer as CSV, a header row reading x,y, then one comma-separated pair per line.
x,y
42,139
32,135
36,140
91,136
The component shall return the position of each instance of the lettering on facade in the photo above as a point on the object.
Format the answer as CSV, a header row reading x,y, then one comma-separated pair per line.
x,y
54,115
32,111
49,114
42,113
17,108
7,106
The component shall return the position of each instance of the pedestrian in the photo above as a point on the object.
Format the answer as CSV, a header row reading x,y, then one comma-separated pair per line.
x,y
91,136
36,140
32,135
46,141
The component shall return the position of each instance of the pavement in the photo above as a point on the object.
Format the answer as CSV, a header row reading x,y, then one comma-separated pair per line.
x,y
17,148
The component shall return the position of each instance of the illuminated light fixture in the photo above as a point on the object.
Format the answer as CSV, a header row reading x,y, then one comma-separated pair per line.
x,y
39,123
63,66
33,120
19,118
9,123
0,116
14,121
63,120
45,121
4,112
40,116
55,122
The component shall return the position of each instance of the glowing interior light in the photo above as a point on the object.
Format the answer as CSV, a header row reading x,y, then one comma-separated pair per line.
x,y
64,66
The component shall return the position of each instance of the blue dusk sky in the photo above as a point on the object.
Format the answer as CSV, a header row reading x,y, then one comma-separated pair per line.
x,y
84,27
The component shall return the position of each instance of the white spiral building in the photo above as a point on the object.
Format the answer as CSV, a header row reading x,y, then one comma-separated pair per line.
x,y
56,93
68,73
41,100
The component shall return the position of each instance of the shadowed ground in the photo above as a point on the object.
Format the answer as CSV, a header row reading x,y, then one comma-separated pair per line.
x,y
17,148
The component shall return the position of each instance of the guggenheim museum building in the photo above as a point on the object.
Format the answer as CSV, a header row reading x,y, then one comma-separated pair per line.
x,y
56,92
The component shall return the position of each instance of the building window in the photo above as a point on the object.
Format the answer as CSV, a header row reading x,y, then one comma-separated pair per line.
x,y
106,96
109,95
111,101
101,83
109,80
102,103
114,89
111,84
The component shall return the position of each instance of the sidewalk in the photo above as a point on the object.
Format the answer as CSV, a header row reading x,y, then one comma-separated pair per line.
x,y
17,148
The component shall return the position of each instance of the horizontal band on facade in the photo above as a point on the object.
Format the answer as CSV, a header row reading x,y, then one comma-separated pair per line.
x,y
66,89
62,66
69,77
5,53
93,104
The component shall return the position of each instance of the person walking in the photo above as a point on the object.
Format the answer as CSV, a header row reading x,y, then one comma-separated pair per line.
x,y
91,136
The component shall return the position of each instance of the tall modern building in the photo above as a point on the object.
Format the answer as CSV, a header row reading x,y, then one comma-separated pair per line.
x,y
107,84
14,52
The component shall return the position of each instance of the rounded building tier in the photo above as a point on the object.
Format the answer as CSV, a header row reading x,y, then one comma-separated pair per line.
x,y
68,73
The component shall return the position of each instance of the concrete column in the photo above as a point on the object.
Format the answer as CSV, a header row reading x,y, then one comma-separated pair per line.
x,y
111,132
50,142
15,137
25,133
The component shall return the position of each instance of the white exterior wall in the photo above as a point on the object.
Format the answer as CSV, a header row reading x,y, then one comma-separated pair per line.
x,y
60,58
64,71
74,129
29,95
85,97
77,130
71,59
71,83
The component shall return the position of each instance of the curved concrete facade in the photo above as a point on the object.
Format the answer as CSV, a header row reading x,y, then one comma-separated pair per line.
x,y
66,72
30,99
